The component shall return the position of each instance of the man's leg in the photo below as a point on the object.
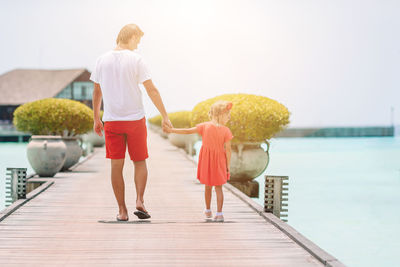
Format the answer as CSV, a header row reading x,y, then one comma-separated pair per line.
x,y
137,147
118,185
140,183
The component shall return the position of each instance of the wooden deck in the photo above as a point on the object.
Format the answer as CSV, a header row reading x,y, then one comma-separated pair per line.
x,y
73,222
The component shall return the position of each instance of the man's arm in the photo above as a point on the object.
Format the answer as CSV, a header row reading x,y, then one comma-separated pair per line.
x,y
155,97
96,101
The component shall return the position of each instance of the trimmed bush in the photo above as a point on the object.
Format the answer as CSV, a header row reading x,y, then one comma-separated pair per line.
x,y
180,119
156,120
54,116
253,118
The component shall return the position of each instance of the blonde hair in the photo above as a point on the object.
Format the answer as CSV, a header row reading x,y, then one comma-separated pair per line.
x,y
219,108
127,32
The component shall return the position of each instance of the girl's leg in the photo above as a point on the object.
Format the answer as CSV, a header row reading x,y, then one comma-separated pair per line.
x,y
220,197
207,196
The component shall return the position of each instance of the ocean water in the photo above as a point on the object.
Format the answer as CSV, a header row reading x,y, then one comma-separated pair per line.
x,y
344,193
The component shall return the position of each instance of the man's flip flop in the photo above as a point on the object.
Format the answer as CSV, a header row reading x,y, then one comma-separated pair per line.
x,y
120,220
142,214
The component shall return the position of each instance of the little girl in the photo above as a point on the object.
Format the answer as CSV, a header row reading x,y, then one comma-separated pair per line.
x,y
215,154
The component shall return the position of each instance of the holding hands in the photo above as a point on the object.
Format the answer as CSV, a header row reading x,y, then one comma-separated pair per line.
x,y
166,125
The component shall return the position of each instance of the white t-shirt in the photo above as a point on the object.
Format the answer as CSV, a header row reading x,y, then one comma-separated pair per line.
x,y
119,74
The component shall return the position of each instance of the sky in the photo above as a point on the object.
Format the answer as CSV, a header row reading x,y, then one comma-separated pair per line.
x,y
331,63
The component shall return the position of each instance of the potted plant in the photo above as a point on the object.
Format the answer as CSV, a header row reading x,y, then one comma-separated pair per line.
x,y
182,119
46,151
254,120
53,116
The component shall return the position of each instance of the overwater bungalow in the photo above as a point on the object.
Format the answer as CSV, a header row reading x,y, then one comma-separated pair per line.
x,y
20,86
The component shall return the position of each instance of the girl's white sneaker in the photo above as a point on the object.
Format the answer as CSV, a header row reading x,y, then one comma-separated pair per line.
x,y
208,215
219,218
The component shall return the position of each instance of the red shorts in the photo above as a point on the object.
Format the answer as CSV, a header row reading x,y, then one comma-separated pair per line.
x,y
119,134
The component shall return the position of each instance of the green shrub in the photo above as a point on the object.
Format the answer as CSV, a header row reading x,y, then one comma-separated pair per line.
x,y
156,120
54,116
180,119
253,118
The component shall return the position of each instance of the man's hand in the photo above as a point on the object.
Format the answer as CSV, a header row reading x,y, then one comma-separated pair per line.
x,y
166,125
167,129
98,127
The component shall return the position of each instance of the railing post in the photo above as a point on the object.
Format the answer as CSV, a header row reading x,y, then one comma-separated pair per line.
x,y
276,195
15,185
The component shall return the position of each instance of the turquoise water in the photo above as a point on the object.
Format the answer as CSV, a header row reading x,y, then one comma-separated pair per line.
x,y
344,193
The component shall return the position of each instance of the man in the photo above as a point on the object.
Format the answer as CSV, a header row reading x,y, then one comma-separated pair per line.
x,y
116,78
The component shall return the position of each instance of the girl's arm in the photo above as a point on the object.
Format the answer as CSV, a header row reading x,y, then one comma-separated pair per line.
x,y
182,130
228,153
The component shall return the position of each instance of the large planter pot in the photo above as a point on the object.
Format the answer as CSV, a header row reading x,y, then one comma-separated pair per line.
x,y
46,154
248,161
181,140
74,152
94,139
185,141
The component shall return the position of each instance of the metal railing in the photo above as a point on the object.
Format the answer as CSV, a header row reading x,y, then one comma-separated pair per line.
x,y
277,196
15,185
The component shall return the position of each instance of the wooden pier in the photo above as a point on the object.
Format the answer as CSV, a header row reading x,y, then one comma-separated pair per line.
x,y
378,131
72,222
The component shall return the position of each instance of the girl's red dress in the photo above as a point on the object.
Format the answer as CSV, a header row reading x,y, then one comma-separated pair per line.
x,y
212,168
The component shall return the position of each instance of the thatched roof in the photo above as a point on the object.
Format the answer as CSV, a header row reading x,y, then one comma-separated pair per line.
x,y
25,85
